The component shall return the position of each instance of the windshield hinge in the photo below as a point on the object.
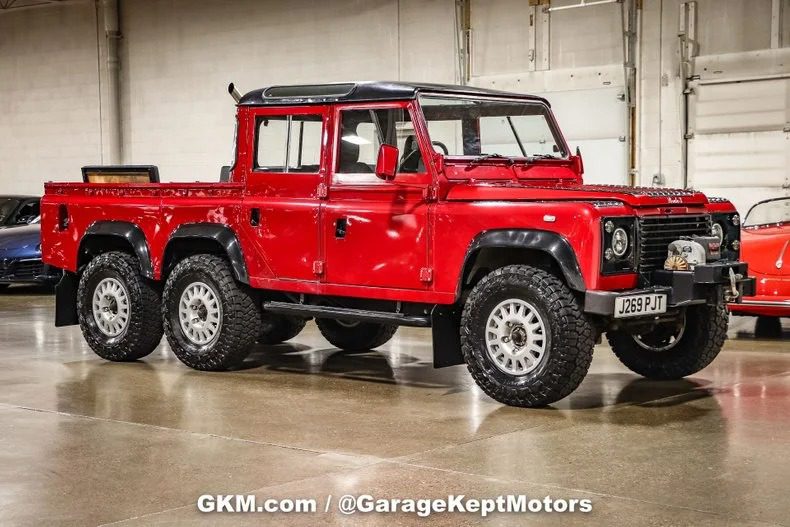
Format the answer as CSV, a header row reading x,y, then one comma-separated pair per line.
x,y
430,193
322,191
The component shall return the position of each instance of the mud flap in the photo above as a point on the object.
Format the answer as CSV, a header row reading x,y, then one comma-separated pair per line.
x,y
66,300
446,327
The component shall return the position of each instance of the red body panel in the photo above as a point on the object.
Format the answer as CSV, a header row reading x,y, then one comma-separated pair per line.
x,y
767,249
406,240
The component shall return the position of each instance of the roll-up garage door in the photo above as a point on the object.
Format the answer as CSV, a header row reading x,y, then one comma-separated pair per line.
x,y
739,139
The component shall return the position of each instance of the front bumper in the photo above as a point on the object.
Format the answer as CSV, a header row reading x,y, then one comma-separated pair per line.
x,y
27,271
683,288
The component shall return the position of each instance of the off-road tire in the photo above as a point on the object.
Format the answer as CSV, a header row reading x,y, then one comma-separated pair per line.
x,y
700,343
363,336
570,337
279,328
144,330
240,314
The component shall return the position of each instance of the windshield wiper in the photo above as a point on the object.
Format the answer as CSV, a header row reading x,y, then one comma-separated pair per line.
x,y
486,157
536,157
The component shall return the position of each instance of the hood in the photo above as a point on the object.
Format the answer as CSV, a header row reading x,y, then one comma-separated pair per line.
x,y
763,248
516,191
20,237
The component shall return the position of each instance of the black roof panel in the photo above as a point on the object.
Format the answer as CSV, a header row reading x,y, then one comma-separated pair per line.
x,y
363,91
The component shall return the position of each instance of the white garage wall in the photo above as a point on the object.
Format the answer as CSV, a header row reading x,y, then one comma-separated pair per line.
x,y
49,110
179,55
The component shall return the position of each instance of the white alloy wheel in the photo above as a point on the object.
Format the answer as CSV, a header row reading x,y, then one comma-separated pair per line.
x,y
111,307
200,313
516,338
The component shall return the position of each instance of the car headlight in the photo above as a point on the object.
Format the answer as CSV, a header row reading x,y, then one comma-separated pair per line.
x,y
619,242
617,235
726,227
718,231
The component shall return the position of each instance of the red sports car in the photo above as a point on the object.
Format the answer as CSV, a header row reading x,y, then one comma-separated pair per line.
x,y
765,245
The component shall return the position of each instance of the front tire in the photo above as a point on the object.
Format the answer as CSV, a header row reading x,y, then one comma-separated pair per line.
x,y
664,355
209,319
524,337
355,336
118,309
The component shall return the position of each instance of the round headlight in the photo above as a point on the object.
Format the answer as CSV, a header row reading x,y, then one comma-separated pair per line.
x,y
619,242
736,220
718,232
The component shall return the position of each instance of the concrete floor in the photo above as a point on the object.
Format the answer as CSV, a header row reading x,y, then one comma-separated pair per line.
x,y
87,442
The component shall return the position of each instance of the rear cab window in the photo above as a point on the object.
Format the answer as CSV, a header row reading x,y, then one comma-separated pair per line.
x,y
289,143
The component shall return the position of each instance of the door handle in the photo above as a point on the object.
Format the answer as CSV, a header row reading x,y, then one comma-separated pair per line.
x,y
341,224
255,217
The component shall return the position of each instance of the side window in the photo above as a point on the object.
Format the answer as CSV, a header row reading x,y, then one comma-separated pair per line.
x,y
362,132
288,143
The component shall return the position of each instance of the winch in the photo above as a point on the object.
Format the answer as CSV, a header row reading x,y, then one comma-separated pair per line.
x,y
686,253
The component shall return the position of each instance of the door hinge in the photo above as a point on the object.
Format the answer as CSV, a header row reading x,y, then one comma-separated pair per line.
x,y
318,267
322,191
426,275
430,193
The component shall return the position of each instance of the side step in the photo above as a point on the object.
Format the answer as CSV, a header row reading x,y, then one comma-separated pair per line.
x,y
345,313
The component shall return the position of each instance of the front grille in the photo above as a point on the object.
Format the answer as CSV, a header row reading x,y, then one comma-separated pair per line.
x,y
657,232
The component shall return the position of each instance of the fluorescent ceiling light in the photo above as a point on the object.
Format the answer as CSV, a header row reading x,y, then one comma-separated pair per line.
x,y
356,140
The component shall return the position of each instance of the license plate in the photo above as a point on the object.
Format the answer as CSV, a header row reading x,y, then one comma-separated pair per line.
x,y
639,305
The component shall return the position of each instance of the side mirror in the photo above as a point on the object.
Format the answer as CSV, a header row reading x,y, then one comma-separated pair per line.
x,y
387,162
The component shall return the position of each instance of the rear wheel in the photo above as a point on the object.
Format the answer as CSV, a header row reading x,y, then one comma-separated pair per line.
x,y
353,335
524,337
279,328
118,309
209,319
673,351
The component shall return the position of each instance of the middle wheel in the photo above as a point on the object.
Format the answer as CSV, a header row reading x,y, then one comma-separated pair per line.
x,y
352,335
209,319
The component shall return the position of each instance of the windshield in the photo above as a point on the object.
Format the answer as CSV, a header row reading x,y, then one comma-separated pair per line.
x,y
461,126
7,208
769,212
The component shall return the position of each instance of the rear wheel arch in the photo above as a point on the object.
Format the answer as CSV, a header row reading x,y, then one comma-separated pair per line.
x,y
205,238
493,249
106,236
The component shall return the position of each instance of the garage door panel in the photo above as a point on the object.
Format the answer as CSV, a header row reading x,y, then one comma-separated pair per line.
x,y
739,148
738,159
739,106
605,160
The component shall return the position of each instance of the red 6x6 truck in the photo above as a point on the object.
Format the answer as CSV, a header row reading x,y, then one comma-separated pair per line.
x,y
369,206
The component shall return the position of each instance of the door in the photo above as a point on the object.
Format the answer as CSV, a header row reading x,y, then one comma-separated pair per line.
x,y
739,139
376,233
281,203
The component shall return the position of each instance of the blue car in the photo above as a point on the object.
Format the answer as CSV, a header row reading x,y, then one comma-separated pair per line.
x,y
20,257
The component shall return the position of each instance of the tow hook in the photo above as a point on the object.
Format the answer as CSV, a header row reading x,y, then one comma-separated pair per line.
x,y
732,294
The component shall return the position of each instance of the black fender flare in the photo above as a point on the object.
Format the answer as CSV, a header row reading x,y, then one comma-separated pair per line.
x,y
223,235
131,233
551,243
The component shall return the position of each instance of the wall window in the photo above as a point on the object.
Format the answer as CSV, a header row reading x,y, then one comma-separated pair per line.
x,y
288,143
363,131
